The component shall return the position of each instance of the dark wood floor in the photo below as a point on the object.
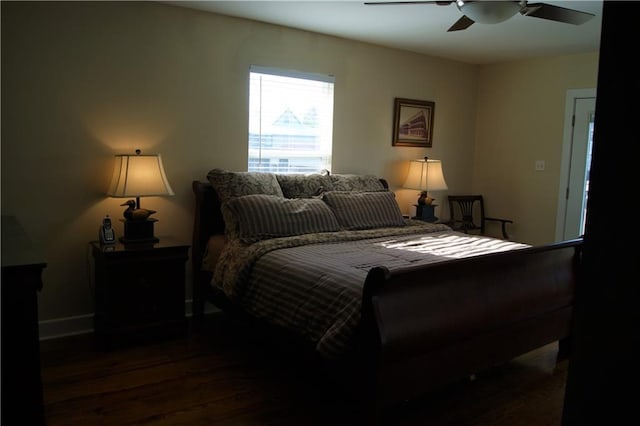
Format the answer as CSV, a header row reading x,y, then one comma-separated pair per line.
x,y
217,377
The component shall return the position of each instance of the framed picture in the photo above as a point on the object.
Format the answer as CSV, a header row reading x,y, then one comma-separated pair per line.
x,y
413,123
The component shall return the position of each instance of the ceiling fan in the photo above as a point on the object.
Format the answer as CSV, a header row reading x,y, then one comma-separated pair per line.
x,y
493,12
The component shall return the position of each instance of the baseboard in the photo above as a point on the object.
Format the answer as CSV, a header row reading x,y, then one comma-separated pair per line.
x,y
83,324
63,327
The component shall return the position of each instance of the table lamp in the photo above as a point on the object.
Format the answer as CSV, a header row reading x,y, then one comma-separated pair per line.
x,y
138,176
425,175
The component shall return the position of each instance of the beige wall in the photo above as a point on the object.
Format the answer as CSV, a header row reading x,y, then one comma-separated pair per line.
x,y
84,81
521,119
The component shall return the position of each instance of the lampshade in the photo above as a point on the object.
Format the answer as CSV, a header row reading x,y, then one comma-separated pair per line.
x,y
139,176
425,175
489,12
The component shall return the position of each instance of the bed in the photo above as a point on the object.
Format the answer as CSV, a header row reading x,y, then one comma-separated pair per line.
x,y
402,305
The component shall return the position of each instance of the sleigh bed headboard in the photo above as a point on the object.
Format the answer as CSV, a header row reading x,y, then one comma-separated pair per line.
x,y
207,222
207,217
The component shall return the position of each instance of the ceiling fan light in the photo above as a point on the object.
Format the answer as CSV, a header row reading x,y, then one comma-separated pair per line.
x,y
488,12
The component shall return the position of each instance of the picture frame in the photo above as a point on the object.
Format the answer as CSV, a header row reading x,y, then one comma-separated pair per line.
x,y
413,123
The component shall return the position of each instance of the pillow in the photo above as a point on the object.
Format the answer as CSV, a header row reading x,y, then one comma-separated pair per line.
x,y
365,210
236,184
304,186
356,183
259,217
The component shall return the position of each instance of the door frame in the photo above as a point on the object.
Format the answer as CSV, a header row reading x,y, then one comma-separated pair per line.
x,y
565,162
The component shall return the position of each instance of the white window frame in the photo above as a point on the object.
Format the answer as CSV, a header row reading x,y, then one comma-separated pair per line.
x,y
297,147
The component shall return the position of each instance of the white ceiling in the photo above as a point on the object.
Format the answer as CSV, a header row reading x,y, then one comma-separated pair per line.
x,y
422,28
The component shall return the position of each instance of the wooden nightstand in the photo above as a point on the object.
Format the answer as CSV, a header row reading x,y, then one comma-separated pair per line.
x,y
139,292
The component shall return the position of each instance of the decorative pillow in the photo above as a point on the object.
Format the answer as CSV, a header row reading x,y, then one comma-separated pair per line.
x,y
347,182
236,184
259,217
304,186
365,210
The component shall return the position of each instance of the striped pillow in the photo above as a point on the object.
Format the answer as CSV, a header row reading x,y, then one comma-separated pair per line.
x,y
259,217
364,210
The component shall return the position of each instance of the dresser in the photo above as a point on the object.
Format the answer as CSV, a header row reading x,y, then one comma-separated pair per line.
x,y
22,265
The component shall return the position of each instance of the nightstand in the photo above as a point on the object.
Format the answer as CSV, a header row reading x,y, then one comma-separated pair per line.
x,y
139,292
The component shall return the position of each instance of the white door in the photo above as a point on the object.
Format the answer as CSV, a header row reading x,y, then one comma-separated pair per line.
x,y
574,183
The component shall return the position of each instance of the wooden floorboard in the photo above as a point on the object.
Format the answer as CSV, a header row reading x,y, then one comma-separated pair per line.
x,y
219,377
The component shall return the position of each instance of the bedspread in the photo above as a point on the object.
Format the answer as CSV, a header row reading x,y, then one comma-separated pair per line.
x,y
312,284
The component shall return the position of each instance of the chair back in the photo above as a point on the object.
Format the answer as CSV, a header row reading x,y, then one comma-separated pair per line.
x,y
467,213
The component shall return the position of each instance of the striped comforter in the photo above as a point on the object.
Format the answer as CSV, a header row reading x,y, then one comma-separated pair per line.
x,y
312,283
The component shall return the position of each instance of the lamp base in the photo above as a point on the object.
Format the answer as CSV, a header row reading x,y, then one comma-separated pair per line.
x,y
138,232
426,212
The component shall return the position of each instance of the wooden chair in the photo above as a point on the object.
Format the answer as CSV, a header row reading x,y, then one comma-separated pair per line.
x,y
466,214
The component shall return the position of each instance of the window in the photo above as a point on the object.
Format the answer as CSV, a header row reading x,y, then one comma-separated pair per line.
x,y
290,121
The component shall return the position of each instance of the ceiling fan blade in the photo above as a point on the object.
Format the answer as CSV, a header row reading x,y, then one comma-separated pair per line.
x,y
556,13
461,24
378,3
